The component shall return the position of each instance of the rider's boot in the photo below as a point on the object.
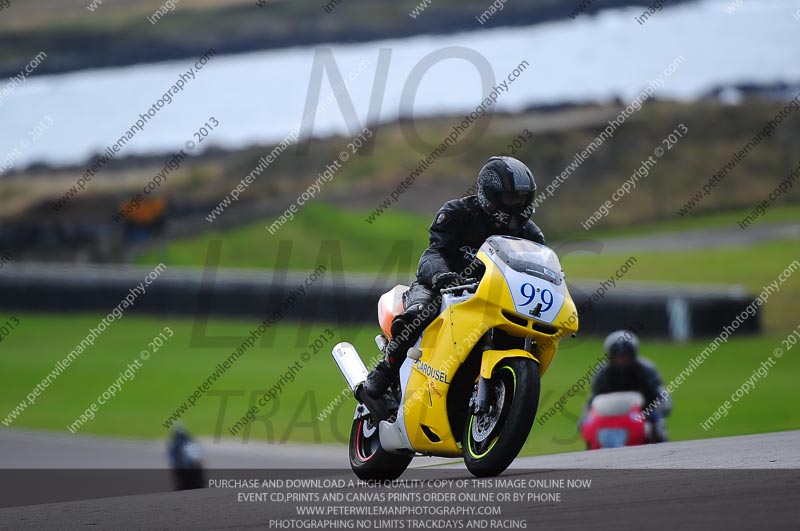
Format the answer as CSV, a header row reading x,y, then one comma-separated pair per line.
x,y
379,379
386,371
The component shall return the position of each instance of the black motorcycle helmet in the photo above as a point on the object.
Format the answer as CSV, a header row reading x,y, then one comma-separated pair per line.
x,y
506,191
621,348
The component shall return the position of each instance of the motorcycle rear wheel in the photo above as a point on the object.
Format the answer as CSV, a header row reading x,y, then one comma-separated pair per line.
x,y
492,441
368,459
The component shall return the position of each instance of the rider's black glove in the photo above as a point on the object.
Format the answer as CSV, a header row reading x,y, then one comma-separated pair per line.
x,y
445,280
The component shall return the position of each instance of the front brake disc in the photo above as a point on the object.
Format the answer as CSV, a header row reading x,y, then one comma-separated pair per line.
x,y
484,425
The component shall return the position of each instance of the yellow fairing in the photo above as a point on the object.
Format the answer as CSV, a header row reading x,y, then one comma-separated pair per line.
x,y
491,358
451,337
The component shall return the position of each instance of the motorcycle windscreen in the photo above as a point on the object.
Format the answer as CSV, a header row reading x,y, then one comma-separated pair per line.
x,y
612,437
533,274
390,305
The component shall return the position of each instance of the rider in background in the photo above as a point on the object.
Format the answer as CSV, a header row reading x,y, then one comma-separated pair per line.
x,y
503,204
627,371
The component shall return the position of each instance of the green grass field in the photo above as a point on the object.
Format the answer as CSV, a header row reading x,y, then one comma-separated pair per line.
x,y
775,214
165,381
172,373
752,267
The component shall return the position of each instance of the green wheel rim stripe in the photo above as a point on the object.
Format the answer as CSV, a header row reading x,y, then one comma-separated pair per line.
x,y
472,419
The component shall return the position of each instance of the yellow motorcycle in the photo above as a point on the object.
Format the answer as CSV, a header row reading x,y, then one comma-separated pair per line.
x,y
470,386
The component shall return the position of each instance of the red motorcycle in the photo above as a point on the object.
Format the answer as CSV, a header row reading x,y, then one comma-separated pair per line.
x,y
615,420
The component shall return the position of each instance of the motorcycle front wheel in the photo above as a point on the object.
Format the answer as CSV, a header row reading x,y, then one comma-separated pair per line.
x,y
493,440
368,459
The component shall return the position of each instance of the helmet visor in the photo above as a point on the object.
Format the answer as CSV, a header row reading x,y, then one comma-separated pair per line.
x,y
623,359
515,202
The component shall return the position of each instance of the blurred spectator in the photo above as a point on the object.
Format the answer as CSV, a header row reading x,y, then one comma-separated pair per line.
x,y
186,459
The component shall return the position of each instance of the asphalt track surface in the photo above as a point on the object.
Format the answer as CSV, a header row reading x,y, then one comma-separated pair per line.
x,y
705,238
731,483
27,449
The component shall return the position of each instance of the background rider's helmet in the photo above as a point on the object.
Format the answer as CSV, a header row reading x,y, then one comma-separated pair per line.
x,y
506,191
621,348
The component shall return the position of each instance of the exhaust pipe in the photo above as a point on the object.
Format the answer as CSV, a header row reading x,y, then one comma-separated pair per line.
x,y
349,362
354,371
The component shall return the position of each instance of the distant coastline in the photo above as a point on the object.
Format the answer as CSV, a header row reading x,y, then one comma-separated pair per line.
x,y
71,50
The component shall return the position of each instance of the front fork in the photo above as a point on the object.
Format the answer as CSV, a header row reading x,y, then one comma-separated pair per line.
x,y
480,404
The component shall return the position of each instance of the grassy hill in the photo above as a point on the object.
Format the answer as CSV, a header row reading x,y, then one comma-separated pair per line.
x,y
363,249
715,132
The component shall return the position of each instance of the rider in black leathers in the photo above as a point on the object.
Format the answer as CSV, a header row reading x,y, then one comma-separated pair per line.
x,y
502,205
627,371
